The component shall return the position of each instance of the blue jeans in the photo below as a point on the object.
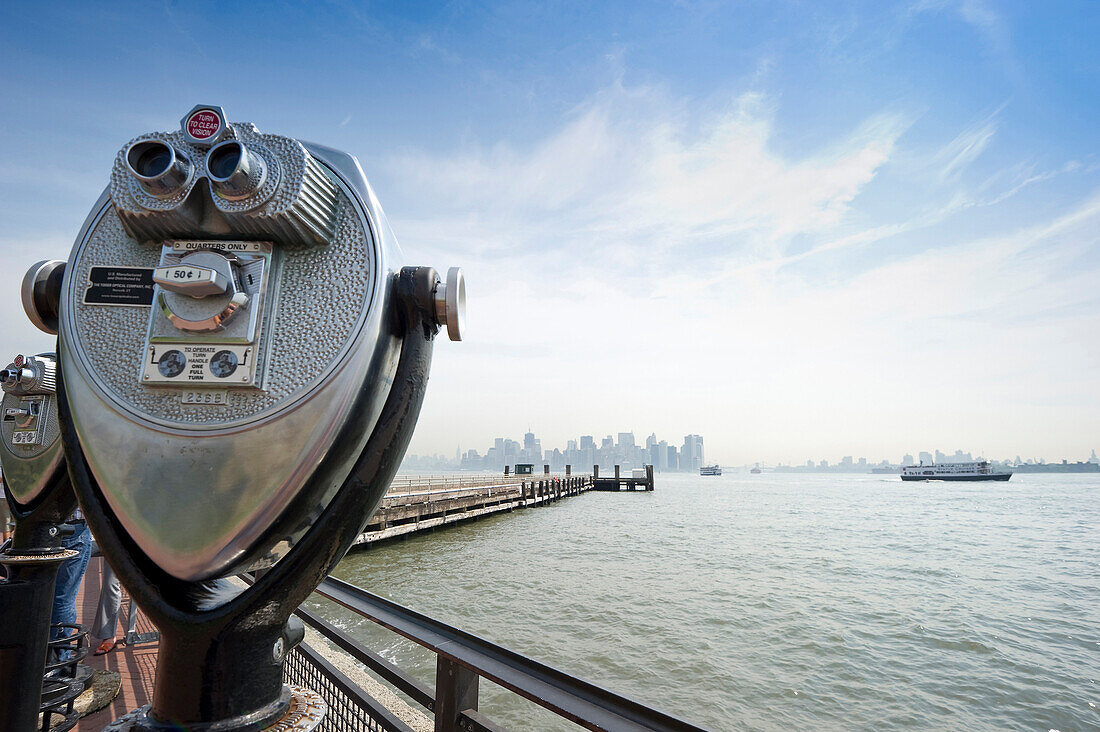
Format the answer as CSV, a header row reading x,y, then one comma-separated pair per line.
x,y
69,577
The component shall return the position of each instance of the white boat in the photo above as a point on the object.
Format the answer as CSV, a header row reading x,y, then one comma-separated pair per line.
x,y
710,470
977,470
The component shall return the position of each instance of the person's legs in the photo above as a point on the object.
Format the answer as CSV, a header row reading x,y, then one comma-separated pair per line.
x,y
110,598
69,577
131,622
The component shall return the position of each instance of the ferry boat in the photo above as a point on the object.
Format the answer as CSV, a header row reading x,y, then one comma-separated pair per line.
x,y
756,470
710,470
978,470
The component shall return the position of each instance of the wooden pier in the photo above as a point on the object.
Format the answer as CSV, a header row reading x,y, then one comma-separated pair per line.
x,y
423,504
416,503
633,483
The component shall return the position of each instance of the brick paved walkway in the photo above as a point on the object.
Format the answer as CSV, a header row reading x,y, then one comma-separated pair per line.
x,y
137,666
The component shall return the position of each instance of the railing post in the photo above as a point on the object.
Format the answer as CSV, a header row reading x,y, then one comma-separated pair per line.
x,y
595,471
455,692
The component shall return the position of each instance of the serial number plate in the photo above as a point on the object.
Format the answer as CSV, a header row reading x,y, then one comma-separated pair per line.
x,y
200,398
27,437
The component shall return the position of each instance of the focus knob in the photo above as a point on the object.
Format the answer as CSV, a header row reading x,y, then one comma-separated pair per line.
x,y
450,303
41,293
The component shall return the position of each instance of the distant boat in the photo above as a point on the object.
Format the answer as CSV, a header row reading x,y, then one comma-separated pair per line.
x,y
710,470
978,470
756,470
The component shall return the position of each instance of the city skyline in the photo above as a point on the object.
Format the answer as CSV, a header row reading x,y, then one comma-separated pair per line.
x,y
851,228
583,452
622,448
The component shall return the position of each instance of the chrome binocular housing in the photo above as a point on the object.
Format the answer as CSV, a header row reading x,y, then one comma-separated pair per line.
x,y
30,447
242,357
228,337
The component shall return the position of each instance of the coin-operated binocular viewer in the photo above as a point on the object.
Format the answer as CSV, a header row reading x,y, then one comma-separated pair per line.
x,y
243,359
38,493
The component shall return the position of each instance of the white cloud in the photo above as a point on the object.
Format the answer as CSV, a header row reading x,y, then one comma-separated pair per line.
x,y
965,149
634,168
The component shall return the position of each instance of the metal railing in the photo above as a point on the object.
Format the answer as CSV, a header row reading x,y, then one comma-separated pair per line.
x,y
434,483
462,660
349,707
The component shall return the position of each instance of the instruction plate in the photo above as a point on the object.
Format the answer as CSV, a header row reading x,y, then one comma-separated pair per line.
x,y
199,364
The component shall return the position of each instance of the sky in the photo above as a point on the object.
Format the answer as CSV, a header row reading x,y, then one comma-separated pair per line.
x,y
799,229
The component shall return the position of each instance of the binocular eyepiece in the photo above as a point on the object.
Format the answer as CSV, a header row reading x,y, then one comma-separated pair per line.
x,y
28,374
235,172
158,168
11,378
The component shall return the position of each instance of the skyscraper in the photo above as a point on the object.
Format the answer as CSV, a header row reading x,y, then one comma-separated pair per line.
x,y
691,456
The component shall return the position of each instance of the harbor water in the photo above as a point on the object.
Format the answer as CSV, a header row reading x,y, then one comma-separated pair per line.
x,y
779,601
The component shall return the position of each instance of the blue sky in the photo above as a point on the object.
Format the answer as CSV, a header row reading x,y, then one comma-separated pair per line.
x,y
799,229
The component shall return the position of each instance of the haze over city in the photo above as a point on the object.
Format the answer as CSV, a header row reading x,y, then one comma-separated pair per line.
x,y
866,230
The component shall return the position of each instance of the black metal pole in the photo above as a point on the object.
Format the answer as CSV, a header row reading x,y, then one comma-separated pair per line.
x,y
26,601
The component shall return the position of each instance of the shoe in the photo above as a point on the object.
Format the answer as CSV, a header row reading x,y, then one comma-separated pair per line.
x,y
106,647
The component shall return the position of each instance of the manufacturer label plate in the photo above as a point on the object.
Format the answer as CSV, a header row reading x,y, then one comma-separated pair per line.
x,y
131,286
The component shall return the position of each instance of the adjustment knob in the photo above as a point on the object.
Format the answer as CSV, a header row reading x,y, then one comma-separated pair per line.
x,y
41,293
450,303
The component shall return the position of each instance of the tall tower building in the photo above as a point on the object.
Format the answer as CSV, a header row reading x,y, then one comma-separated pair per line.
x,y
691,456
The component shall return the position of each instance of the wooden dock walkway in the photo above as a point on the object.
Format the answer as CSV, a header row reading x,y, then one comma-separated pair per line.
x,y
632,482
421,504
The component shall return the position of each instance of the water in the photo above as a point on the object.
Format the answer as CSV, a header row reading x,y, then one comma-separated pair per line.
x,y
778,602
